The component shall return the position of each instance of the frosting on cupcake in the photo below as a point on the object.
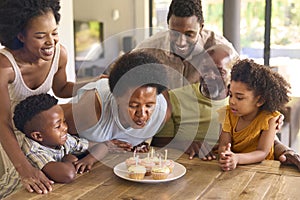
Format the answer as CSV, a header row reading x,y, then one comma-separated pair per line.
x,y
169,163
131,161
160,169
137,169
160,172
136,172
148,163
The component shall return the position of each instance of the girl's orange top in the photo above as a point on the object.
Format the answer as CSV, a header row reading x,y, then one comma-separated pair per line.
x,y
246,140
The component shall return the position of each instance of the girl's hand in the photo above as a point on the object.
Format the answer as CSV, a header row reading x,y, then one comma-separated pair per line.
x,y
228,160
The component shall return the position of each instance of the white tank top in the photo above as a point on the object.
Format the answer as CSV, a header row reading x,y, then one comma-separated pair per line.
x,y
18,90
109,126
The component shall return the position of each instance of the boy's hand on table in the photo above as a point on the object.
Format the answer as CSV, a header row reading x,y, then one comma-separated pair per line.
x,y
85,164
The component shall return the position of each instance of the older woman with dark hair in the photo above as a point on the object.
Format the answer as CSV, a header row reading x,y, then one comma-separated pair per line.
x,y
128,107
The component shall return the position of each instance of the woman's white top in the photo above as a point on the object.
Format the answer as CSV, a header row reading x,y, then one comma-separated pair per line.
x,y
18,90
109,126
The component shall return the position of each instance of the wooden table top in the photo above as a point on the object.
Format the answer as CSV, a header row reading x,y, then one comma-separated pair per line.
x,y
203,180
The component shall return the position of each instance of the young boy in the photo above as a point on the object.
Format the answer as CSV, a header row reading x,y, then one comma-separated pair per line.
x,y
47,145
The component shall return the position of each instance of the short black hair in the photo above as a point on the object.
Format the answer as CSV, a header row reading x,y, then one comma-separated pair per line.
x,y
186,8
15,14
272,88
136,69
30,107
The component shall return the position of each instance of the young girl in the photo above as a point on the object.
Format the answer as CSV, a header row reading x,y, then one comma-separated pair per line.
x,y
256,95
32,62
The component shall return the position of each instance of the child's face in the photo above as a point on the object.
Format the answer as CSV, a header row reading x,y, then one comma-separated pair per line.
x,y
242,101
53,127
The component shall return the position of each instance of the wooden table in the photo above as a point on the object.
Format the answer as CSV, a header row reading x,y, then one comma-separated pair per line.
x,y
203,180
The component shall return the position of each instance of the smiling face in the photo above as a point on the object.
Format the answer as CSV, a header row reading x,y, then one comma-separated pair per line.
x,y
242,101
40,37
136,111
49,127
184,34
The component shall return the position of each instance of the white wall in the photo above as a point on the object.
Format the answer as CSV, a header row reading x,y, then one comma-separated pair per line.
x,y
133,18
66,34
133,14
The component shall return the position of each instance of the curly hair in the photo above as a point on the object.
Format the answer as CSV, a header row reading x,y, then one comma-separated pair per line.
x,y
136,69
186,8
30,107
272,88
15,15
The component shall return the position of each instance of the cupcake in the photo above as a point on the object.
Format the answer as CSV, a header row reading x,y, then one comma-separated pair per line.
x,y
160,172
136,172
148,164
132,160
154,159
169,163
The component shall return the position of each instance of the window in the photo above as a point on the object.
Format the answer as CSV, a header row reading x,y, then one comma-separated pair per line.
x,y
159,12
284,36
285,40
88,36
